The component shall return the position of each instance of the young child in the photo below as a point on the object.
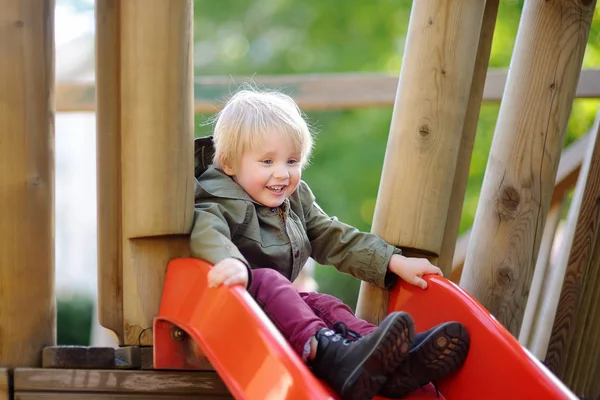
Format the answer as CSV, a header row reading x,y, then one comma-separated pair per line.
x,y
257,222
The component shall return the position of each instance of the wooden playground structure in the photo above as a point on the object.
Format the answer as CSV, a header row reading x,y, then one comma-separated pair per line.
x,y
145,96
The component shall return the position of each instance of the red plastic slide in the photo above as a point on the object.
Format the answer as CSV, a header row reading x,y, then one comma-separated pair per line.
x,y
255,361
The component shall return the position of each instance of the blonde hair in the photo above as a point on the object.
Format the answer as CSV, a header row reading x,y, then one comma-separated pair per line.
x,y
249,117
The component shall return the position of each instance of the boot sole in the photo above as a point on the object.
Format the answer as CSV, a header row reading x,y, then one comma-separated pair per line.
x,y
438,355
389,350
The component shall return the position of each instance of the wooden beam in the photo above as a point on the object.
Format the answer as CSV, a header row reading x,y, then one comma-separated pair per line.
x,y
566,178
27,305
519,179
463,164
312,92
574,344
113,396
425,133
125,382
145,135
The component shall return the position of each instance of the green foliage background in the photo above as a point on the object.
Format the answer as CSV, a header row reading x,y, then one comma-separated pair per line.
x,y
234,37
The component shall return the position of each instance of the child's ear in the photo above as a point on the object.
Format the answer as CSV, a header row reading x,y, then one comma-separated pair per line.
x,y
228,170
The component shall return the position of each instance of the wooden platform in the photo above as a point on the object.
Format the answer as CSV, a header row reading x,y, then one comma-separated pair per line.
x,y
44,383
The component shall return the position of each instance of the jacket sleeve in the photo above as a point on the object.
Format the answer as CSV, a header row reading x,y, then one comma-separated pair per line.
x,y
363,255
215,222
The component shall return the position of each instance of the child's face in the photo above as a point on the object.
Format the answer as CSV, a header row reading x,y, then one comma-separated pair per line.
x,y
271,173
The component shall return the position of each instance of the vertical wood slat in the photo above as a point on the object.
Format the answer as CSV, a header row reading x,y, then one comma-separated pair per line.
x,y
4,384
542,329
463,164
425,133
574,344
27,306
146,194
108,153
526,148
538,292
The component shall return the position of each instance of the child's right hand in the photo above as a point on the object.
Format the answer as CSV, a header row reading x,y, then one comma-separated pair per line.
x,y
230,271
412,270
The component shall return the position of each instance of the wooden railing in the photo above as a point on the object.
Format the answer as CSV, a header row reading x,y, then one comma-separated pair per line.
x,y
312,92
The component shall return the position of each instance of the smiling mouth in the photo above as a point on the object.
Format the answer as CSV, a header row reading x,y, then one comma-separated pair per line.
x,y
277,189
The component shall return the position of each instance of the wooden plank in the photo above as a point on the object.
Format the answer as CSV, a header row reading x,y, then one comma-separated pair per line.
x,y
425,133
574,344
108,158
27,306
538,291
118,381
566,178
113,396
519,179
311,91
4,384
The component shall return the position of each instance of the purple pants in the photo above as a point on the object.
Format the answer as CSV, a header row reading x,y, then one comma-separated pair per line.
x,y
299,316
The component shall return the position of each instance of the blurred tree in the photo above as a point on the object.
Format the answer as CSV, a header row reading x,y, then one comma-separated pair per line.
x,y
74,320
259,37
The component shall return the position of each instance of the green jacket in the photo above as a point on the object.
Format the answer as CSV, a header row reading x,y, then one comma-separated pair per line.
x,y
228,223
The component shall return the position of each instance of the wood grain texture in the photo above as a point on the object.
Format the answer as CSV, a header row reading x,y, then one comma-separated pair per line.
x,y
533,319
145,161
113,396
425,133
574,345
519,180
147,260
118,381
157,124
27,304
566,178
4,385
463,164
109,176
335,91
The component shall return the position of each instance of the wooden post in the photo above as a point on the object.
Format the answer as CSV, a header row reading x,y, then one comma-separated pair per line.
x,y
566,177
537,336
574,344
461,173
526,149
425,134
145,155
27,305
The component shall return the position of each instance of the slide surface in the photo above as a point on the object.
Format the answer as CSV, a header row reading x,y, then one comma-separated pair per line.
x,y
255,361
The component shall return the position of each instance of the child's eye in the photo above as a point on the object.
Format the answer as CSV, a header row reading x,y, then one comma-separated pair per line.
x,y
267,162
292,162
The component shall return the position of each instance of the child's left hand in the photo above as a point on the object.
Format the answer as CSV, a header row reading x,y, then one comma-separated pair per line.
x,y
412,269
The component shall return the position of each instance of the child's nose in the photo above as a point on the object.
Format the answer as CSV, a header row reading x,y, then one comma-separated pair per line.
x,y
281,173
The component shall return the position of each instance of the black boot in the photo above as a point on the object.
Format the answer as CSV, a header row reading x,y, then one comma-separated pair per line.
x,y
356,369
434,355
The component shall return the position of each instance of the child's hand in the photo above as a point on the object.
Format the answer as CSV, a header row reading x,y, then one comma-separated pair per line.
x,y
412,270
230,271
